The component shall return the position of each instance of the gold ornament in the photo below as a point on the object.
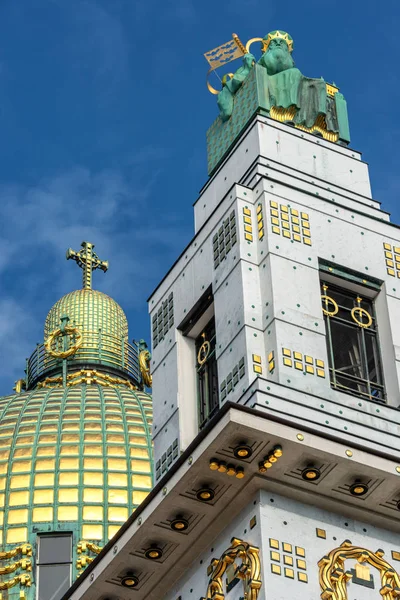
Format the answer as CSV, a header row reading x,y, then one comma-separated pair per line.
x,y
68,330
278,34
249,571
333,575
358,310
204,351
144,364
21,579
24,564
328,299
88,376
25,550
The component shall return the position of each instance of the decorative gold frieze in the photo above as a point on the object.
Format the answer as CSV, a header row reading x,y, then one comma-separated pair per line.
x,y
290,223
249,571
24,549
88,376
303,362
333,575
24,564
23,579
84,560
392,259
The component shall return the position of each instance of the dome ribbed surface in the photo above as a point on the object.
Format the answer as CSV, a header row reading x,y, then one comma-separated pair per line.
x,y
101,321
73,459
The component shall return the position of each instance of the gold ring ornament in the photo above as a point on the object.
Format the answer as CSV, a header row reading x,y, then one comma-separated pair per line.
x,y
326,311
68,330
212,89
203,352
144,364
361,311
257,39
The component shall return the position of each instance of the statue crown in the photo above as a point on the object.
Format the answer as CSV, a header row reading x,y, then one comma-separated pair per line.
x,y
278,34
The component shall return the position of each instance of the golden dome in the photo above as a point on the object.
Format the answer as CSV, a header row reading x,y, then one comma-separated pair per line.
x,y
99,319
73,459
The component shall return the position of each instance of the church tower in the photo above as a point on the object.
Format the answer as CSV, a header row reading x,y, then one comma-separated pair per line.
x,y
75,442
275,365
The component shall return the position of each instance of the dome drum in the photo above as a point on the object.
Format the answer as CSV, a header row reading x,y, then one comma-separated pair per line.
x,y
112,353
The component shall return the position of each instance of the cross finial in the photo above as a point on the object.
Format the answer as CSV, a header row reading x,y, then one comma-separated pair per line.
x,y
88,261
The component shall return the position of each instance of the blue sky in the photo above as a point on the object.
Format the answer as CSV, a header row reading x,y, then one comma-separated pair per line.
x,y
103,115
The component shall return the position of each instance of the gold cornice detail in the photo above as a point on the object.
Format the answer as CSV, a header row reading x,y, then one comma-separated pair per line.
x,y
288,114
249,571
333,577
88,376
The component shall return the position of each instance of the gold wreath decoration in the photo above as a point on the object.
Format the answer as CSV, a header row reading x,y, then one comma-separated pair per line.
x,y
361,311
68,329
144,364
333,576
249,571
334,311
203,352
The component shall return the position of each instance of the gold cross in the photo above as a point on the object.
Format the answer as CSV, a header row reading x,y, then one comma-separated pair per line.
x,y
88,261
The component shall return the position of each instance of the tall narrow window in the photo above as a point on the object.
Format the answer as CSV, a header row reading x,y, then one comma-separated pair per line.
x,y
207,374
54,566
352,339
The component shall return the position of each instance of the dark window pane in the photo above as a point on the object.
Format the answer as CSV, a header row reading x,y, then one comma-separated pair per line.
x,y
54,581
346,349
54,549
372,357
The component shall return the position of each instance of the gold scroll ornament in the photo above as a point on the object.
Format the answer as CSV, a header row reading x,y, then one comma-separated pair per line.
x,y
333,576
249,571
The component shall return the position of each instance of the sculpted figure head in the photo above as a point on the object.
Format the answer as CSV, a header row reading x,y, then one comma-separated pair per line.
x,y
277,57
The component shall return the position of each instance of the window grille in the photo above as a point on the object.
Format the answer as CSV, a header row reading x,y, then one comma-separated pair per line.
x,y
353,344
207,373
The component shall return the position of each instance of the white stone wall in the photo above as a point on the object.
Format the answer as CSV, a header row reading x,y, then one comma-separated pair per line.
x,y
266,292
292,538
